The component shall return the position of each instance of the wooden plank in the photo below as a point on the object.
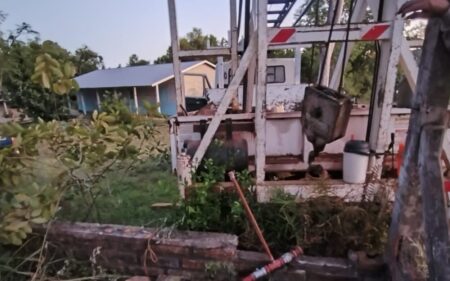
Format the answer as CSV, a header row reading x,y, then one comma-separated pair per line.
x,y
298,66
434,201
219,73
409,65
179,85
234,36
389,59
205,53
251,75
261,88
225,103
305,35
421,165
234,48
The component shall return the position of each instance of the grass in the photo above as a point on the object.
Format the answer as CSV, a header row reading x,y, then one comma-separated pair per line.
x,y
127,197
122,196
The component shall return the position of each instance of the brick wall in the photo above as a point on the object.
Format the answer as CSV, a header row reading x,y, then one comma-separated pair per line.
x,y
192,255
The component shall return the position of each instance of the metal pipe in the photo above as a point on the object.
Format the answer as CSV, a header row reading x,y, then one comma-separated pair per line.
x,y
280,262
250,215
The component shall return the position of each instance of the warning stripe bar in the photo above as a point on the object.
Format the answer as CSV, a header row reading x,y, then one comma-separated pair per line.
x,y
306,35
375,32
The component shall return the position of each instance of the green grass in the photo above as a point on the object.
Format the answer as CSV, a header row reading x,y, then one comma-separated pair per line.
x,y
126,197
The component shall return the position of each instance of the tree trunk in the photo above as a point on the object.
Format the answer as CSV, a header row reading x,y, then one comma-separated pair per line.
x,y
420,198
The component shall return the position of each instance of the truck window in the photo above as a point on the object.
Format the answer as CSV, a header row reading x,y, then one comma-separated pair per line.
x,y
276,74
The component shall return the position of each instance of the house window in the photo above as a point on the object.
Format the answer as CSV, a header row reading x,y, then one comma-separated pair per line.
x,y
276,74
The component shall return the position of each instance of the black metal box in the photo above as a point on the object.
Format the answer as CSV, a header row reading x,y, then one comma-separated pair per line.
x,y
325,115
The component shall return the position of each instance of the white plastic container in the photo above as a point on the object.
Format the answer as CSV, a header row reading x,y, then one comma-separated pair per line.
x,y
356,161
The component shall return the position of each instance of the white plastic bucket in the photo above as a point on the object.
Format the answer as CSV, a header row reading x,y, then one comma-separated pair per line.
x,y
356,161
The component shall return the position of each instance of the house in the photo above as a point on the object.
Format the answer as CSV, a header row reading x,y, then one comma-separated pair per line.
x,y
138,84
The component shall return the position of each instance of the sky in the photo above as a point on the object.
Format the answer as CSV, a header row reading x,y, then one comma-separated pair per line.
x,y
116,28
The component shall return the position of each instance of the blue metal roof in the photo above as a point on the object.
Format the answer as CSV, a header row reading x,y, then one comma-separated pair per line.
x,y
132,76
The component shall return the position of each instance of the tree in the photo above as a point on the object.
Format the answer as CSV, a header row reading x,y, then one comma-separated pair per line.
x,y
166,58
316,14
135,60
2,19
194,40
87,60
44,99
37,77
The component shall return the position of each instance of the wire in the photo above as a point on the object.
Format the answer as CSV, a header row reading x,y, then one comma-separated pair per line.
x,y
322,68
313,49
349,21
380,10
303,13
374,89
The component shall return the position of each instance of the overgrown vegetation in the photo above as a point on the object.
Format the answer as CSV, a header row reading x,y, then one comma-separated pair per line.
x,y
325,225
78,154
108,169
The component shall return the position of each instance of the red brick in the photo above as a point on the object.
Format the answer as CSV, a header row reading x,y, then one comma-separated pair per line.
x,y
188,274
161,249
215,253
168,262
195,264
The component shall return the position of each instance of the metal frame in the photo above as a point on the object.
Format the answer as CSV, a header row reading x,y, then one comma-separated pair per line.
x,y
394,49
280,13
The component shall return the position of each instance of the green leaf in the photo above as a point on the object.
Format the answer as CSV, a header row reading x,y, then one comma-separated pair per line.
x,y
45,80
22,197
35,213
15,239
39,220
15,226
69,70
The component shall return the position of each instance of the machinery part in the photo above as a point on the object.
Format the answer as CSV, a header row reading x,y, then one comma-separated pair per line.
x,y
195,103
250,215
325,115
266,270
231,153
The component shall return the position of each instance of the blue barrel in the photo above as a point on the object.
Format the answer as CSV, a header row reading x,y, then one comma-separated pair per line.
x,y
5,142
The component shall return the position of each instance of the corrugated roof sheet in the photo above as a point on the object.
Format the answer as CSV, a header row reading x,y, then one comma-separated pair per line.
x,y
132,76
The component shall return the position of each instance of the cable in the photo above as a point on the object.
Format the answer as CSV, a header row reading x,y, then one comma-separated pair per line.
x,y
380,10
349,21
328,41
303,13
374,89
313,49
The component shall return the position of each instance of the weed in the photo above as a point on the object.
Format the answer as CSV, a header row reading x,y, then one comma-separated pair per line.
x,y
220,271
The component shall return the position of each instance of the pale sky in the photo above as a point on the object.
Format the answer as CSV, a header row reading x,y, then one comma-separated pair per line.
x,y
116,28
